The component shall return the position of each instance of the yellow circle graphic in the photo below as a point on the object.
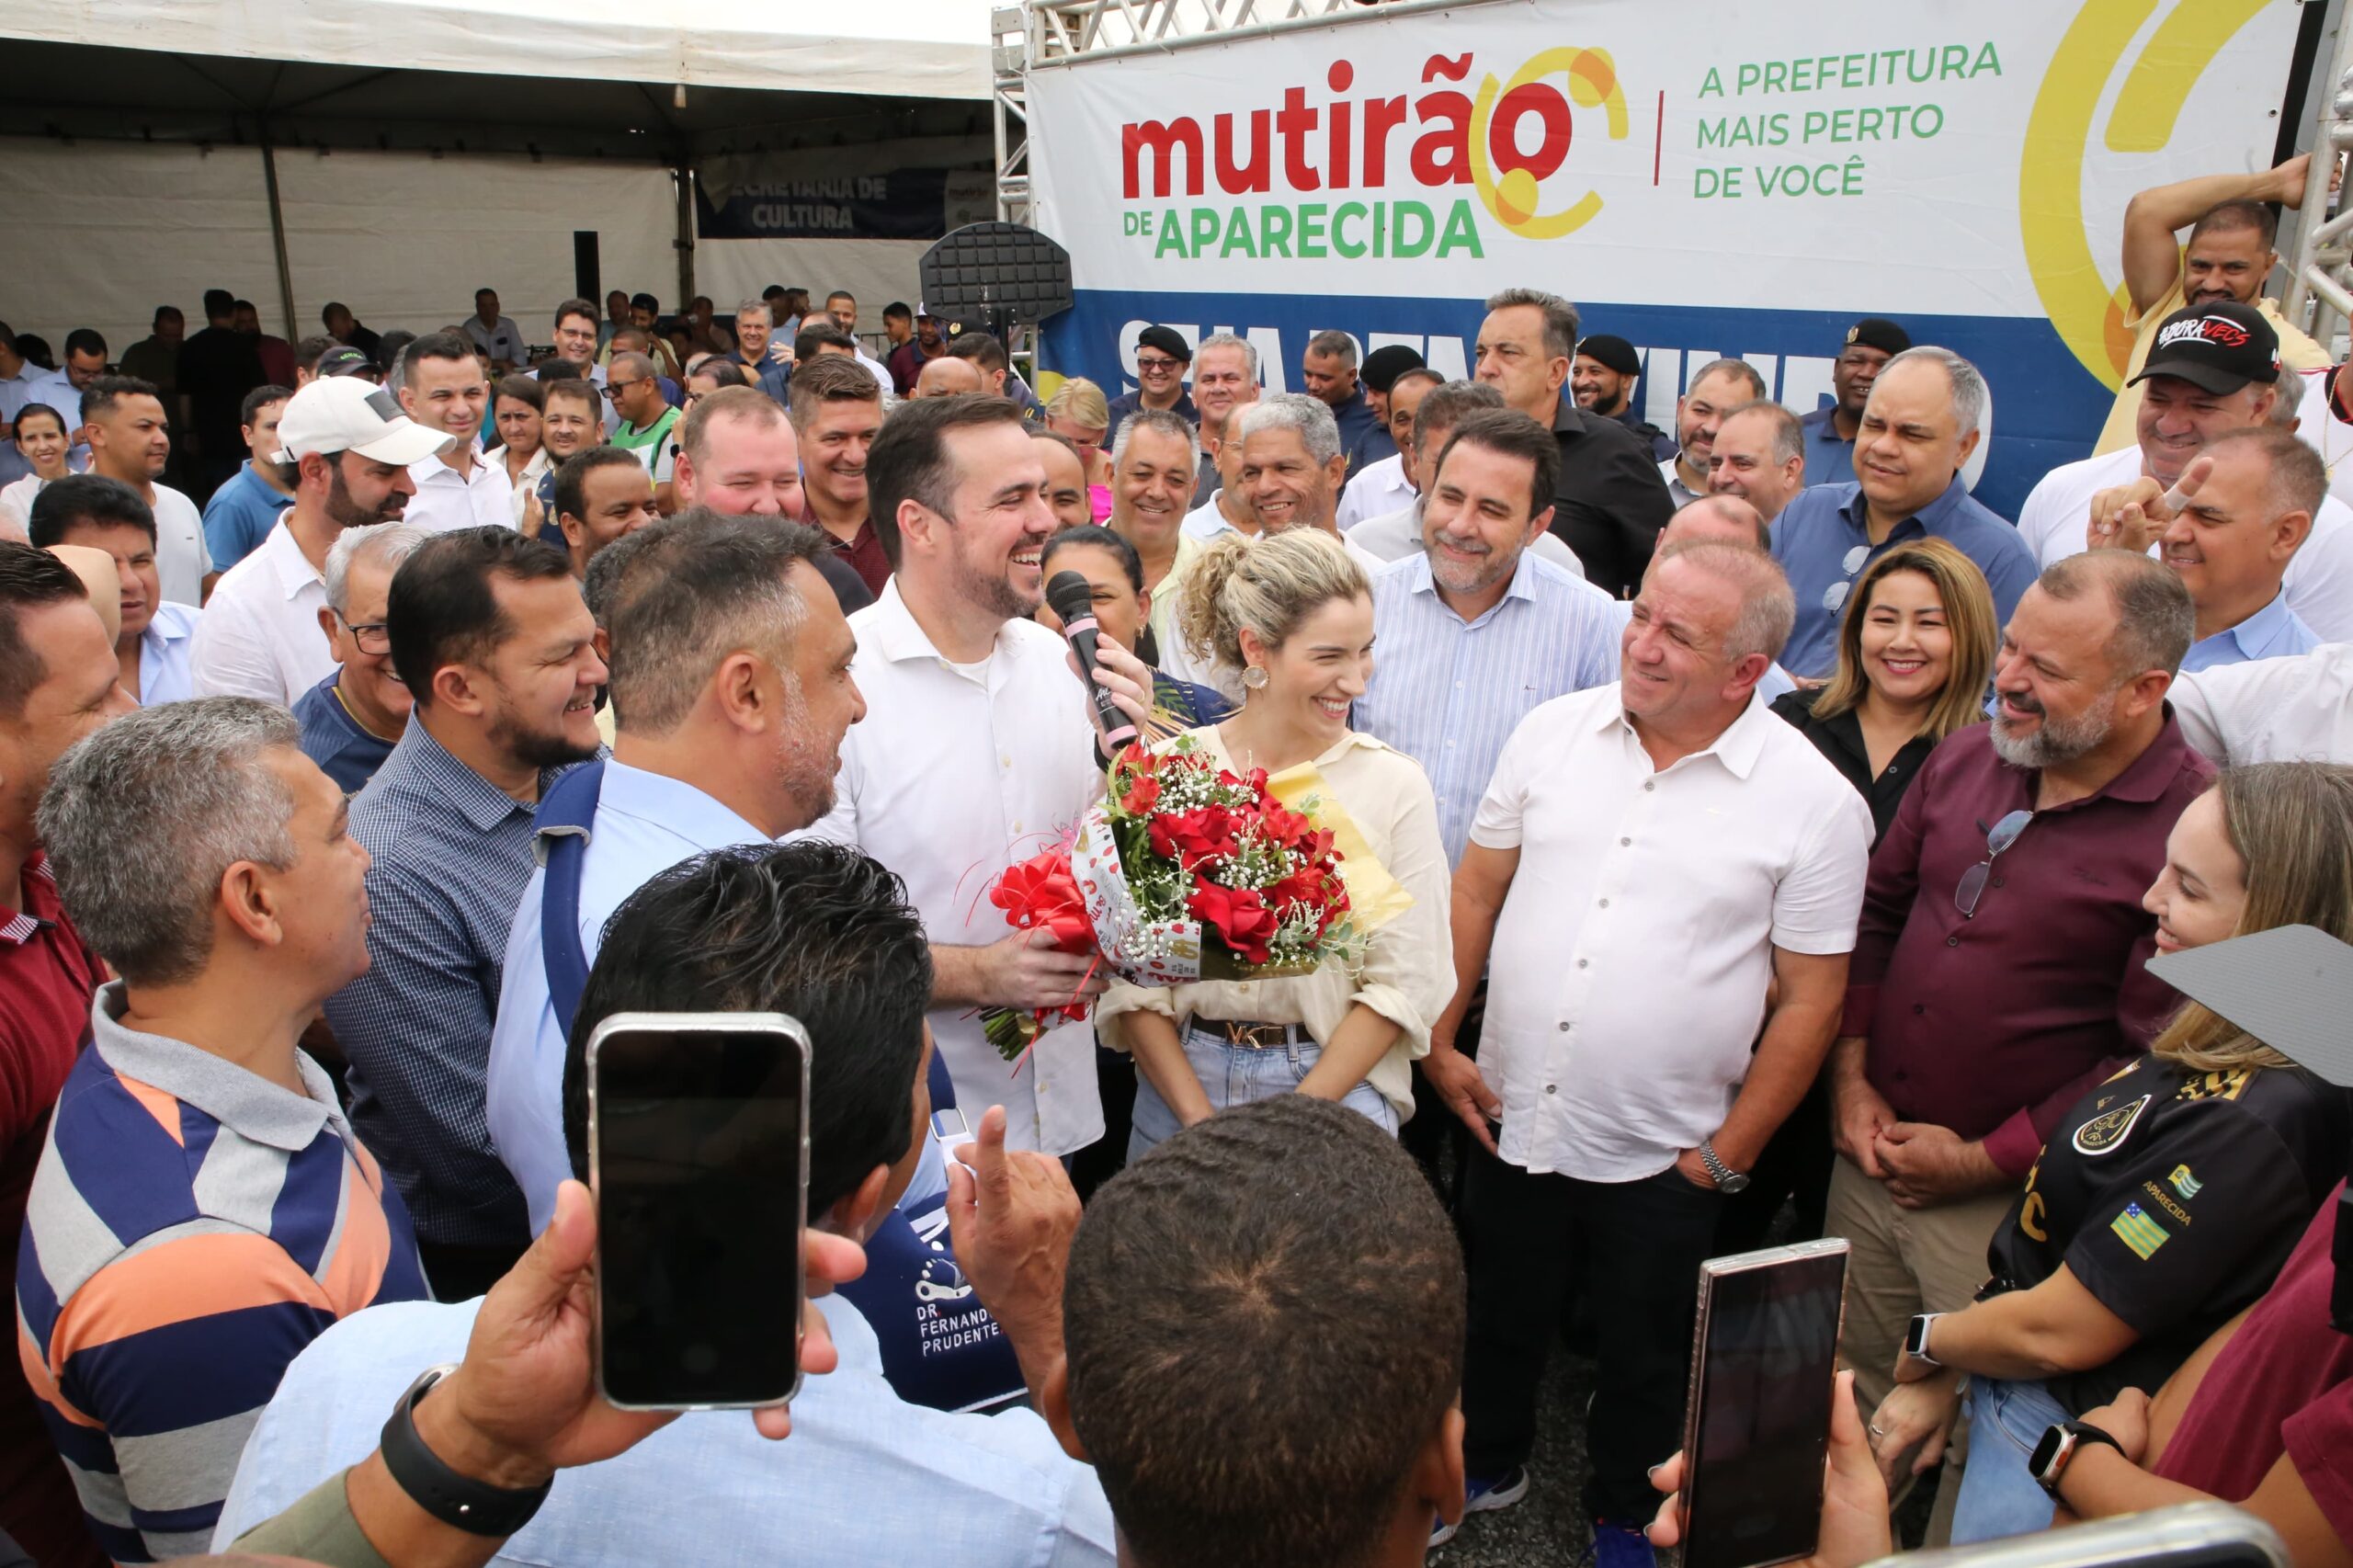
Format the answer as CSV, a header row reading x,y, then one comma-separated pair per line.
x,y
1593,84
2088,311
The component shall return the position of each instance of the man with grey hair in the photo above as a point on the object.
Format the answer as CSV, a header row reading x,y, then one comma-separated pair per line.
x,y
1759,456
1660,870
1154,458
1714,389
210,863
2002,967
750,356
1922,422
730,694
1225,376
1289,473
1609,503
352,719
1328,370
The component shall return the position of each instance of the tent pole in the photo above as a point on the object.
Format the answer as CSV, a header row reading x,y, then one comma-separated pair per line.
x,y
686,240
278,235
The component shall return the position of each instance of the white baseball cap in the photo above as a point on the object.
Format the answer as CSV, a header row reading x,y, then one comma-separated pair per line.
x,y
344,413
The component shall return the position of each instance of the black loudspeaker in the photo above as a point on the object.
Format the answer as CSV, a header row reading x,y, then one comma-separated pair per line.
x,y
585,271
996,276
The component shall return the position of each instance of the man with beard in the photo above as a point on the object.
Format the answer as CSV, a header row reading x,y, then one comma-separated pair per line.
x,y
958,671
1721,386
907,360
344,450
732,691
1602,378
2001,969
497,651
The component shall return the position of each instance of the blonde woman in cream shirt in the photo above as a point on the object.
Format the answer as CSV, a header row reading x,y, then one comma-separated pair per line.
x,y
1293,613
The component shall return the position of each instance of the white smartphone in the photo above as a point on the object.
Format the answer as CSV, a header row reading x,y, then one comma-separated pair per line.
x,y
698,1156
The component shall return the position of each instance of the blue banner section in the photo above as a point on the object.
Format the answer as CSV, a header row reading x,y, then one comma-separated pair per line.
x,y
2046,408
904,204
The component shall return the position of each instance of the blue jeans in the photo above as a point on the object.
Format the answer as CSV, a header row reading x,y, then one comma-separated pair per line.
x,y
1999,1494
1233,1074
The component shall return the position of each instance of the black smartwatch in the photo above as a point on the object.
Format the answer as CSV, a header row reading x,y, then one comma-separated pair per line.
x,y
2058,1449
458,1501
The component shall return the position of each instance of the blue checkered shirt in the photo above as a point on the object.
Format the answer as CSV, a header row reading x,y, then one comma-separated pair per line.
x,y
1449,693
452,852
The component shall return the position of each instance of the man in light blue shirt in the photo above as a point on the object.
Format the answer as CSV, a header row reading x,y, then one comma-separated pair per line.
x,y
824,935
1475,631
62,388
157,637
1918,428
2247,506
729,668
244,510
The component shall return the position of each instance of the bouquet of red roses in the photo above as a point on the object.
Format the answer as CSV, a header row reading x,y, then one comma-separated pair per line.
x,y
1182,873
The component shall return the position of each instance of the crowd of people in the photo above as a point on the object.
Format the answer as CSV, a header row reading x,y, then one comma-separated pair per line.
x,y
1776,836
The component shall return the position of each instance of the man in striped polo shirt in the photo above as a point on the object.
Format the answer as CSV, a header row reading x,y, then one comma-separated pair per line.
x,y
201,1210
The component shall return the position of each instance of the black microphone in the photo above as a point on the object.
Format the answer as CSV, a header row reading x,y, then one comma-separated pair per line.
x,y
1072,598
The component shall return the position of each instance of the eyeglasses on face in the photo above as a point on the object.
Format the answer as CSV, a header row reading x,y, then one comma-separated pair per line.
x,y
369,636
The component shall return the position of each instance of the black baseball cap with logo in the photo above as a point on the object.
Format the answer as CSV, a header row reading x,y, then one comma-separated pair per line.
x,y
2217,348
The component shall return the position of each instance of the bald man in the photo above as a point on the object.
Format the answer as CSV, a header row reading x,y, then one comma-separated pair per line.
x,y
946,376
1733,521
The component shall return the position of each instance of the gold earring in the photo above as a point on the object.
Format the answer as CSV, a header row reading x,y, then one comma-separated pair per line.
x,y
1254,677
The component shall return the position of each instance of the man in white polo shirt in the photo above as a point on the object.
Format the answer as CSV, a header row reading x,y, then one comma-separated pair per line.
x,y
131,440
442,388
350,448
1652,858
2213,367
976,752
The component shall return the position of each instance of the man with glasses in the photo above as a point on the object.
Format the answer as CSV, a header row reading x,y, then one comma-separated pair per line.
x,y
1919,426
1162,356
647,421
2001,969
352,720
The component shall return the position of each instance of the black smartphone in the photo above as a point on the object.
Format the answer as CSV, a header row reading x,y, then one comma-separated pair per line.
x,y
697,1154
1756,1427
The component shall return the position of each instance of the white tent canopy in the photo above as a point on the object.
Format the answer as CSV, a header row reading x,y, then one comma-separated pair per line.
x,y
929,49
393,154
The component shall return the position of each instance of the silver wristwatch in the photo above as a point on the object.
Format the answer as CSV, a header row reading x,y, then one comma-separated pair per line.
x,y
1728,1180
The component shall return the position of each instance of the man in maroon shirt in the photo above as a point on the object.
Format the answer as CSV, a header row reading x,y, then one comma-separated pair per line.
x,y
835,418
2000,967
58,682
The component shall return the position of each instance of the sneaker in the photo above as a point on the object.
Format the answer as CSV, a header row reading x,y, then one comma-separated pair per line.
x,y
1482,1495
1621,1546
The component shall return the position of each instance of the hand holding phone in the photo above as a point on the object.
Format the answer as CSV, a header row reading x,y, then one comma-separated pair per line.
x,y
1854,1525
1759,1420
698,1139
